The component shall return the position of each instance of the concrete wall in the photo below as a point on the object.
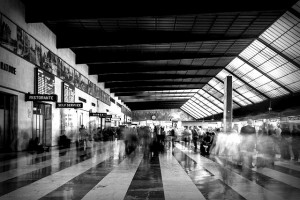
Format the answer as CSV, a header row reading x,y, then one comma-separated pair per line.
x,y
67,120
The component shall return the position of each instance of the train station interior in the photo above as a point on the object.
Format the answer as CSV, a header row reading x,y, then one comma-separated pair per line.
x,y
127,100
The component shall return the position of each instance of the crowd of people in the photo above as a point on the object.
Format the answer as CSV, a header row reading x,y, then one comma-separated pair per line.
x,y
263,143
257,146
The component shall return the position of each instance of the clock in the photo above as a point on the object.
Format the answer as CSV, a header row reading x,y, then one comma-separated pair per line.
x,y
153,117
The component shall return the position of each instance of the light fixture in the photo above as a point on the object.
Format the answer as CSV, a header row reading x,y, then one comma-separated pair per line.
x,y
270,107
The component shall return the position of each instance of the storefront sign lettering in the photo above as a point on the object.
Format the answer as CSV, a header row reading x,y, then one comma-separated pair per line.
x,y
69,105
40,97
8,68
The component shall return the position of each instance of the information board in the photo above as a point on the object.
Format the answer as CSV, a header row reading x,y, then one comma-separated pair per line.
x,y
45,82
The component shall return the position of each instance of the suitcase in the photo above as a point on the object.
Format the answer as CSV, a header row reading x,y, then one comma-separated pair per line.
x,y
263,160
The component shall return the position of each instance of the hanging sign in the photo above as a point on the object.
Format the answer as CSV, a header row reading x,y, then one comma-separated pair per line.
x,y
109,116
41,97
96,114
69,105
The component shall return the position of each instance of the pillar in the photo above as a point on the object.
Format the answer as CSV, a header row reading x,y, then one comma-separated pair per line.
x,y
227,114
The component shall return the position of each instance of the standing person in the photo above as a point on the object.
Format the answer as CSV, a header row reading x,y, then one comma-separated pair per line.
x,y
186,135
83,136
173,136
296,142
248,134
195,137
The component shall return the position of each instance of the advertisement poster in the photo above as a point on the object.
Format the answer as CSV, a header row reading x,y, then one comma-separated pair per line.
x,y
8,37
46,59
38,53
77,79
20,41
32,57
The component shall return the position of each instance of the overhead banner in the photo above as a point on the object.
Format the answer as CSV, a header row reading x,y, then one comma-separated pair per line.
x,y
69,105
41,97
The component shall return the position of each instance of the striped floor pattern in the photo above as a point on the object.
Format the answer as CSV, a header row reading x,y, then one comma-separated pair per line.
x,y
105,172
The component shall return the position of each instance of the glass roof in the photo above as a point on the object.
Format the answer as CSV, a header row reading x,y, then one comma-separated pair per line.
x,y
268,68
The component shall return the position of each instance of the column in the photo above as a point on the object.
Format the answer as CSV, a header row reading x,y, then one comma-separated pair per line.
x,y
227,114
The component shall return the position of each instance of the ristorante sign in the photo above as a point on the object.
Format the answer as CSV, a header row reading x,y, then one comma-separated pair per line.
x,y
41,97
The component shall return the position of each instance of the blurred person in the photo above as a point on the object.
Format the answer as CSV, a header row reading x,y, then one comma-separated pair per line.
x,y
248,134
295,142
265,145
130,140
195,137
277,139
163,135
173,136
186,136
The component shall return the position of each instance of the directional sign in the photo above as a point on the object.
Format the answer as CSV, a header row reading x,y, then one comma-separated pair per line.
x,y
96,114
69,105
41,97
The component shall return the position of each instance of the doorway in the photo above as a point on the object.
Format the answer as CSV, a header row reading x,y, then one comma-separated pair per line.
x,y
42,123
8,122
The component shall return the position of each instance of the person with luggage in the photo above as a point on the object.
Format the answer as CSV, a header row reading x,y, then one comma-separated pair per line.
x,y
206,142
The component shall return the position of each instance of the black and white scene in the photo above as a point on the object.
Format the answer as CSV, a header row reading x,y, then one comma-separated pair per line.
x,y
150,101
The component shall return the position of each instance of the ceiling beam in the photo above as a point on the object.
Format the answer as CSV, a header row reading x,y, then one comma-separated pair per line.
x,y
205,106
190,112
265,74
95,55
90,39
136,89
209,100
199,108
157,96
146,76
242,80
151,99
194,110
120,94
232,90
278,52
126,68
36,11
149,83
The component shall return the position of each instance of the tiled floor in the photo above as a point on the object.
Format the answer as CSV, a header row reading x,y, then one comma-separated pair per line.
x,y
105,172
